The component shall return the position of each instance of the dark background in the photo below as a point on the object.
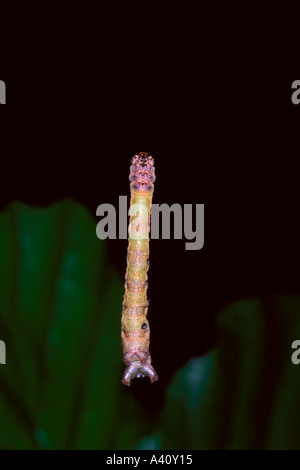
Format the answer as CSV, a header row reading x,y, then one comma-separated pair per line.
x,y
225,137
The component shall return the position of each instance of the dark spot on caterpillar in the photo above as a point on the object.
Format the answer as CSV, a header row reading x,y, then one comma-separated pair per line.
x,y
144,326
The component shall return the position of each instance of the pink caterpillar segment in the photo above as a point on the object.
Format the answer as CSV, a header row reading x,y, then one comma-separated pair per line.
x,y
142,173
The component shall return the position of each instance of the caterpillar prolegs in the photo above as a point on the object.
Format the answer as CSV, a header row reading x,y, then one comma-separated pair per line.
x,y
135,326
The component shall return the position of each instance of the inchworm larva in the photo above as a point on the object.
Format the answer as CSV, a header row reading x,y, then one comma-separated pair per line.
x,y
135,326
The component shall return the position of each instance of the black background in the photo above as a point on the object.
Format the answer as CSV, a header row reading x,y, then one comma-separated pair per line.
x,y
222,133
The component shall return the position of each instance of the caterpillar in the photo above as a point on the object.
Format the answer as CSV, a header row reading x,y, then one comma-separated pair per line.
x,y
135,331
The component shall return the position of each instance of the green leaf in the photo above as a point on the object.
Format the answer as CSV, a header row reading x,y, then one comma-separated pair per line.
x,y
244,394
60,307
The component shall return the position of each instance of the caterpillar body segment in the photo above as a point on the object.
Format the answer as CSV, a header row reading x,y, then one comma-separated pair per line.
x,y
135,326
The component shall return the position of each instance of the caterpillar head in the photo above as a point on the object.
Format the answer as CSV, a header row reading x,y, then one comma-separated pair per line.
x,y
142,172
142,160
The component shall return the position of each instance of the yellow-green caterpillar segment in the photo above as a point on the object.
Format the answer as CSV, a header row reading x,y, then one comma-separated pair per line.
x,y
135,326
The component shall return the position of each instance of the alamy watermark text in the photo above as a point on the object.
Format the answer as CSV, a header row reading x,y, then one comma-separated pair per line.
x,y
2,353
2,92
296,94
138,229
